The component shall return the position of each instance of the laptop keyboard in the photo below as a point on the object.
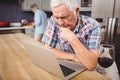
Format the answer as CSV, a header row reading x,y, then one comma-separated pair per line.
x,y
66,71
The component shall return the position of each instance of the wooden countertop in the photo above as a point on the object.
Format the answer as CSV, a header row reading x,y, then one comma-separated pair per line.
x,y
15,63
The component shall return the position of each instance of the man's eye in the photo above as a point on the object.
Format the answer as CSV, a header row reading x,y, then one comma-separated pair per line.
x,y
57,18
62,17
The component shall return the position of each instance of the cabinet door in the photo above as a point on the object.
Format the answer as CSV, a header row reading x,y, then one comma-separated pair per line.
x,y
26,5
85,5
45,5
30,32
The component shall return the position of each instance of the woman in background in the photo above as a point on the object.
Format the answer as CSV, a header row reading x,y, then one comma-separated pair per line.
x,y
40,21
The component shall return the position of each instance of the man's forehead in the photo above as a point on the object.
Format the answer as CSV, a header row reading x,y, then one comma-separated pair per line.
x,y
60,14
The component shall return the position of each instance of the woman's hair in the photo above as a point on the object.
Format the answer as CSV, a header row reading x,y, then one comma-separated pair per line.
x,y
34,5
72,4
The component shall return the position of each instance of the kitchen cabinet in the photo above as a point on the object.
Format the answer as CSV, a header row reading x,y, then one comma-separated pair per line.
x,y
26,4
85,5
30,32
45,5
42,4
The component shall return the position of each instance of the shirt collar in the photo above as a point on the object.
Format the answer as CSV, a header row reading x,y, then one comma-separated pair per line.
x,y
79,24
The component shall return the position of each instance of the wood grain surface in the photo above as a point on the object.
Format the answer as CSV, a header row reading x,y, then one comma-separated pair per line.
x,y
15,64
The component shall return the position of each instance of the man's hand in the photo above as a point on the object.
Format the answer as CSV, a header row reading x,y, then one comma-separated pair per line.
x,y
75,59
67,34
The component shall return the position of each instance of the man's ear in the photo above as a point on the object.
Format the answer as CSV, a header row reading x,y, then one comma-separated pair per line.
x,y
77,11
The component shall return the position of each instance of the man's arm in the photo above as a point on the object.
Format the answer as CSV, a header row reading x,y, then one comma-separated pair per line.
x,y
62,54
87,57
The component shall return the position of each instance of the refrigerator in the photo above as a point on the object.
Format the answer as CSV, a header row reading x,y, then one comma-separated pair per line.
x,y
107,13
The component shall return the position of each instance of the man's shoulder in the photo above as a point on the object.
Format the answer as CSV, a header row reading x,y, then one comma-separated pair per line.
x,y
88,19
91,23
52,19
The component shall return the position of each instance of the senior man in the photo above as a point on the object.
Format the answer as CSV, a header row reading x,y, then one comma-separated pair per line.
x,y
78,36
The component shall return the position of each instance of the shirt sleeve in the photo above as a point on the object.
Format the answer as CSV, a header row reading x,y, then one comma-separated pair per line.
x,y
50,36
94,38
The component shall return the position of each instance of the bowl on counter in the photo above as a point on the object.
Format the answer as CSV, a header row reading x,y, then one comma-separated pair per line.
x,y
15,24
4,24
30,25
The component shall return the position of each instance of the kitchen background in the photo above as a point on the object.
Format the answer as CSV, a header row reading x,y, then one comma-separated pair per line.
x,y
11,10
15,11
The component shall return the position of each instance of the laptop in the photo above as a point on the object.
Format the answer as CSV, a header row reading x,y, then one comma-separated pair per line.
x,y
47,60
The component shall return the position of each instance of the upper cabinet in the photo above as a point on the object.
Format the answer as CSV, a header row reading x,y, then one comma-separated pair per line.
x,y
85,5
27,3
42,4
45,5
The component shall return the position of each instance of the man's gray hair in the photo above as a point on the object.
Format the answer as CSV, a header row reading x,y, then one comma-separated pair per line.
x,y
72,4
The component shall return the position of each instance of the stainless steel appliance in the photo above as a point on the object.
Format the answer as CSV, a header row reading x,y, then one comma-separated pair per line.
x,y
109,12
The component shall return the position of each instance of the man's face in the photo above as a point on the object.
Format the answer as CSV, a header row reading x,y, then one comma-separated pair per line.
x,y
65,17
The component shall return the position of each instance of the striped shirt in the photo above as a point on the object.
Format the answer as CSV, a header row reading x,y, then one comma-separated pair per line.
x,y
87,30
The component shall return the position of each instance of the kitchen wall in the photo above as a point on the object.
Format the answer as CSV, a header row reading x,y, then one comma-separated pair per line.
x,y
10,10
